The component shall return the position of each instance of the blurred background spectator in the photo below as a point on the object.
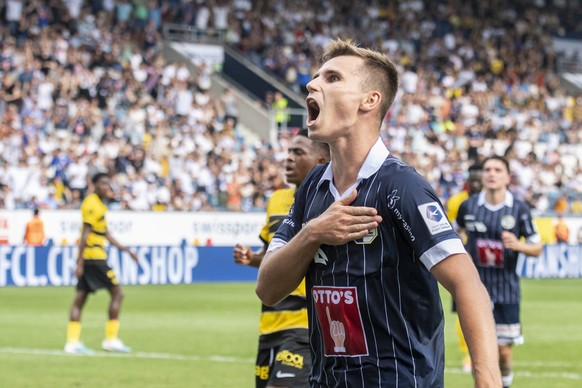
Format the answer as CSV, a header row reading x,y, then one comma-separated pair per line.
x,y
86,88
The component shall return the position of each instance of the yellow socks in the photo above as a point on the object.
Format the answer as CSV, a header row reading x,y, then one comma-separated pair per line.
x,y
111,329
73,331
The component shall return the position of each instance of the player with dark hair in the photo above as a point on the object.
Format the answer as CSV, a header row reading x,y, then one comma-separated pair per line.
x,y
92,270
283,358
473,185
494,222
371,238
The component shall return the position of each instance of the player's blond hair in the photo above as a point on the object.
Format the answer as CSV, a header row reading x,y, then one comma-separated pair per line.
x,y
378,72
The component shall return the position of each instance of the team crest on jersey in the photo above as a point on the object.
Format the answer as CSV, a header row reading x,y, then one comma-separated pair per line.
x,y
320,257
434,217
371,236
507,222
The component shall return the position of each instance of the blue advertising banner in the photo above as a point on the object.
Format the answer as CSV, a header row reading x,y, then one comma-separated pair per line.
x,y
54,265
556,261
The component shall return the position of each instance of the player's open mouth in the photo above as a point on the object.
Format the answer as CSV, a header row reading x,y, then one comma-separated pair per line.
x,y
312,111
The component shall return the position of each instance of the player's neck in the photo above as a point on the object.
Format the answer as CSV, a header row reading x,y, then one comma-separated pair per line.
x,y
347,157
495,197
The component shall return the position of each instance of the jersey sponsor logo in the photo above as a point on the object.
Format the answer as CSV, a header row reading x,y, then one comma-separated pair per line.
x,y
434,217
288,358
489,253
392,199
320,257
405,224
289,221
340,321
371,236
283,375
475,226
507,222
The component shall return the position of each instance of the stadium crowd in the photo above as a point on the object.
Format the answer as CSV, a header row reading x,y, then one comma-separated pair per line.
x,y
86,89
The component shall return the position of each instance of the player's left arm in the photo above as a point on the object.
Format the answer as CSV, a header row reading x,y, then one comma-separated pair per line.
x,y
120,246
458,275
527,247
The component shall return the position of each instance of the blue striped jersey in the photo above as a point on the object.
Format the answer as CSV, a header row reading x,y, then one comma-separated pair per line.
x,y
483,224
375,316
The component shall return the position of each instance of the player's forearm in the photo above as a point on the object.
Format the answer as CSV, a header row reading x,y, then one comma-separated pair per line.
x,y
115,243
282,270
476,317
256,258
530,249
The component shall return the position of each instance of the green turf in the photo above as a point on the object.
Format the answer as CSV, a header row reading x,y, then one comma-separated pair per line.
x,y
204,335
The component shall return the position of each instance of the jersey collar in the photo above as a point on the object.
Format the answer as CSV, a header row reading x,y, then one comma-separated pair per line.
x,y
507,202
376,157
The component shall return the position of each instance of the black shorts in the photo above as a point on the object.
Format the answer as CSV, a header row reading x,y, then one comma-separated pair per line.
x,y
285,365
96,274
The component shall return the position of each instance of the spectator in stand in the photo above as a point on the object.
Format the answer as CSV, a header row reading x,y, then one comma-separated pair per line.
x,y
457,97
279,107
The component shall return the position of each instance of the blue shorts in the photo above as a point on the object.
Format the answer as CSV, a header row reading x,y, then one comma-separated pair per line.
x,y
507,324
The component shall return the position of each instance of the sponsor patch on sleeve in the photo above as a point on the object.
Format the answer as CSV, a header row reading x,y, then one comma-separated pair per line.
x,y
434,217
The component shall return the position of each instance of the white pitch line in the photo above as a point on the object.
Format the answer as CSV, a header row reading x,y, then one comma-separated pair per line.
x,y
242,360
155,356
522,373
547,364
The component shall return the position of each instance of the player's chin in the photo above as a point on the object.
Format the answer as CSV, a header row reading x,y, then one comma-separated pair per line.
x,y
290,177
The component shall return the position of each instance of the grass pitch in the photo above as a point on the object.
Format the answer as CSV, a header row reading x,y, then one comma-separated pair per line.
x,y
205,335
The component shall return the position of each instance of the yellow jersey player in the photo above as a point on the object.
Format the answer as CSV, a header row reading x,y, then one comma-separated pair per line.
x,y
93,272
283,358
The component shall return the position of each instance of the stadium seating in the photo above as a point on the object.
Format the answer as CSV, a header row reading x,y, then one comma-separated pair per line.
x,y
86,88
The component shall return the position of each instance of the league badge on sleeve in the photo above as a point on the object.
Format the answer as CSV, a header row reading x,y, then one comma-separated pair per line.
x,y
434,217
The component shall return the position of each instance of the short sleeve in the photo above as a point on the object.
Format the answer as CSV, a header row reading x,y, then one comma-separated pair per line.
x,y
418,214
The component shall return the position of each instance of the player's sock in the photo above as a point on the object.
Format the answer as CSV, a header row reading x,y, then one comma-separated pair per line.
x,y
111,329
507,380
73,331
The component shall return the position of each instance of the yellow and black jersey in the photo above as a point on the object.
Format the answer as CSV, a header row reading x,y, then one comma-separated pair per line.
x,y
93,213
454,203
288,317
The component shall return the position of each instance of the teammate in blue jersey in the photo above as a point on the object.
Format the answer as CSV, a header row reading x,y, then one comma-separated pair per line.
x,y
494,222
371,238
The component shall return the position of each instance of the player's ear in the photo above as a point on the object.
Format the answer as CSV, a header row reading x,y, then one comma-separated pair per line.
x,y
371,101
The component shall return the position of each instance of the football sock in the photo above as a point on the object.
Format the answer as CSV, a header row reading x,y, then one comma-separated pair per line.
x,y
507,380
73,331
111,329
